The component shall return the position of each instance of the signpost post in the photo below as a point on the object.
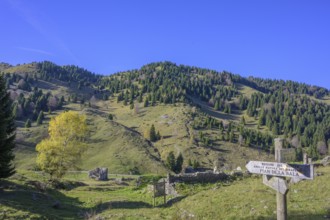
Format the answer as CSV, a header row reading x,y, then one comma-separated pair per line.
x,y
274,174
281,209
159,189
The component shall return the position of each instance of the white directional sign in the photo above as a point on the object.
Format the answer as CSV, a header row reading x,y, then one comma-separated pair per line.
x,y
274,174
276,183
302,171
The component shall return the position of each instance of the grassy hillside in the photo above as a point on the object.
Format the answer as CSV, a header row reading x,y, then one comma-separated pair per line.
x,y
120,145
246,90
250,199
178,112
109,145
120,149
22,197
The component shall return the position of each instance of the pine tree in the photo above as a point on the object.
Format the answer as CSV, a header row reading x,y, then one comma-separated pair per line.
x,y
179,163
7,132
299,154
229,109
231,136
221,126
28,123
61,102
216,106
140,99
153,135
243,120
189,162
196,164
146,103
158,136
15,110
275,129
170,161
40,118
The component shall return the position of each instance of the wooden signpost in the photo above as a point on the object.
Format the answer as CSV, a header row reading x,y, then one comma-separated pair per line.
x,y
275,173
159,189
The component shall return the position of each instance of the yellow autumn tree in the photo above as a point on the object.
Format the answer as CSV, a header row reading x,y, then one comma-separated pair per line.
x,y
65,145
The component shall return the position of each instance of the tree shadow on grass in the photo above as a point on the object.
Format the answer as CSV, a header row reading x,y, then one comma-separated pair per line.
x,y
96,140
122,205
295,215
46,85
125,204
174,200
51,203
104,189
210,111
141,115
219,150
305,216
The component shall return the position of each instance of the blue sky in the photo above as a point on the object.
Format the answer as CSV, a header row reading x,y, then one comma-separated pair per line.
x,y
271,39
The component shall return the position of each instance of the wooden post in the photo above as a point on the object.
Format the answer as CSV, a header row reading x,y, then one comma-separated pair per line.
x,y
309,160
278,147
154,193
276,172
305,158
164,191
280,198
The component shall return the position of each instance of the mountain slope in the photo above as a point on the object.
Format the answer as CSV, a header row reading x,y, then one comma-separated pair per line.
x,y
110,145
205,115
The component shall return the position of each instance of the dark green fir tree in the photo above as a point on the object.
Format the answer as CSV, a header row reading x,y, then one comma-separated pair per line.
x,y
7,132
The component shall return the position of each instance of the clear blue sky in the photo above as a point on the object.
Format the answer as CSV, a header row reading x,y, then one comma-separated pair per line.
x,y
271,39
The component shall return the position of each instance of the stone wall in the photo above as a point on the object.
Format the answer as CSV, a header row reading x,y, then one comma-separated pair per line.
x,y
199,177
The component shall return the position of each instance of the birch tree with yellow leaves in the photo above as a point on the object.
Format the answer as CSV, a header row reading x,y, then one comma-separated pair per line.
x,y
63,149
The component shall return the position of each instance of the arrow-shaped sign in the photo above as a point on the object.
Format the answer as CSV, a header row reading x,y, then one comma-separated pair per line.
x,y
302,171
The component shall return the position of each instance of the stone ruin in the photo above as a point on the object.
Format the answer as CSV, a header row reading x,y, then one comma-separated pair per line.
x,y
99,174
158,188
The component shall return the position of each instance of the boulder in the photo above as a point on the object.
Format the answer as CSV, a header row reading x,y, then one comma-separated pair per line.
x,y
99,174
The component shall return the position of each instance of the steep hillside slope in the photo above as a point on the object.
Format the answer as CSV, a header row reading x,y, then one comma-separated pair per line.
x,y
110,145
205,115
